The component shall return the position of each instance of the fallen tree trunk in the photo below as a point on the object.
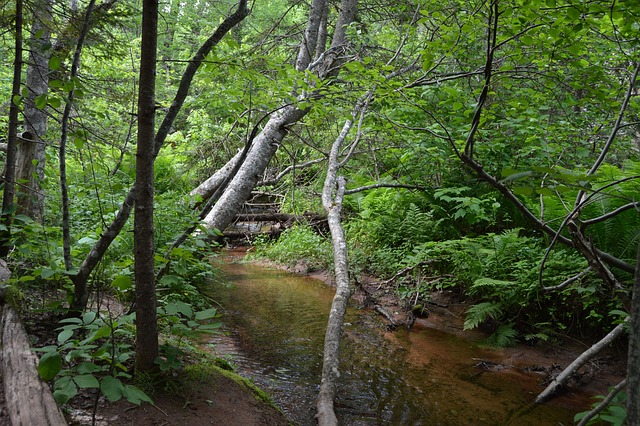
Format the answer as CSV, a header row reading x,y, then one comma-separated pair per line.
x,y
332,196
266,143
29,401
562,378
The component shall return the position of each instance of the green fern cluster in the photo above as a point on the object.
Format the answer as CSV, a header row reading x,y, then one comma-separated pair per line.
x,y
500,272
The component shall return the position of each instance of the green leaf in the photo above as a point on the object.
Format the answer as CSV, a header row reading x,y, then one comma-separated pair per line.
x,y
41,101
65,391
47,273
206,314
86,381
54,63
111,388
515,176
122,283
573,13
65,335
87,368
522,190
526,40
184,309
89,317
50,365
545,191
79,142
55,102
135,395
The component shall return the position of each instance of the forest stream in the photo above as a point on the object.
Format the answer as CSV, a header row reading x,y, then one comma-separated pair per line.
x,y
275,322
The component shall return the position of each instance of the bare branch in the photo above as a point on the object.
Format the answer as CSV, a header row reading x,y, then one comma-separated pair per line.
x,y
609,215
492,30
288,170
385,185
568,281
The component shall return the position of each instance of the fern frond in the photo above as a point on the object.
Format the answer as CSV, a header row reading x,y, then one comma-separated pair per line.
x,y
477,314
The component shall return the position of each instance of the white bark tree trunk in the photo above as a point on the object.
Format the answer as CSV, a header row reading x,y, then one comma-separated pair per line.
x,y
207,188
263,148
332,196
266,143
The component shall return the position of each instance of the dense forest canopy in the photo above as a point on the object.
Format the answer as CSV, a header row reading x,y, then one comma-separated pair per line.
x,y
488,147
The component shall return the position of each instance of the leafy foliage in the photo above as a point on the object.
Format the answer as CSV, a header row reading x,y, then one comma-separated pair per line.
x,y
296,244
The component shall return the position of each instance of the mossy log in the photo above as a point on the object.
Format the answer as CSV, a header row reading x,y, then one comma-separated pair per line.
x,y
28,400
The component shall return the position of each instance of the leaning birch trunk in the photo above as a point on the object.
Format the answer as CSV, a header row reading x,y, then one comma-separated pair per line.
x,y
206,189
562,378
266,143
332,195
253,167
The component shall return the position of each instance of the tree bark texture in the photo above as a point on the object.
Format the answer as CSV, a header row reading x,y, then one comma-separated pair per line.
x,y
310,39
240,187
332,196
633,355
206,189
144,271
30,156
28,400
10,168
111,232
266,143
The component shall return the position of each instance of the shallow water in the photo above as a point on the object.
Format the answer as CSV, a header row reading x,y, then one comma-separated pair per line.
x,y
275,325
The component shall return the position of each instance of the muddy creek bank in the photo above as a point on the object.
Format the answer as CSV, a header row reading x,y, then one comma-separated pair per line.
x,y
275,324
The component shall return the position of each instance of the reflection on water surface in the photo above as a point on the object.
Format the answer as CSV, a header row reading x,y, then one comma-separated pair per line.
x,y
276,322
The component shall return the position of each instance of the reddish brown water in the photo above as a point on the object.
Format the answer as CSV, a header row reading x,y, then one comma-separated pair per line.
x,y
276,322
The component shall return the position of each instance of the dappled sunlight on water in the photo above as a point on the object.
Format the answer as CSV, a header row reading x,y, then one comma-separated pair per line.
x,y
276,321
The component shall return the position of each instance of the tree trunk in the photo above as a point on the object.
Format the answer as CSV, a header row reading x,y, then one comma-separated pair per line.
x,y
146,317
240,187
310,40
332,196
633,358
8,196
111,232
206,189
266,143
30,156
